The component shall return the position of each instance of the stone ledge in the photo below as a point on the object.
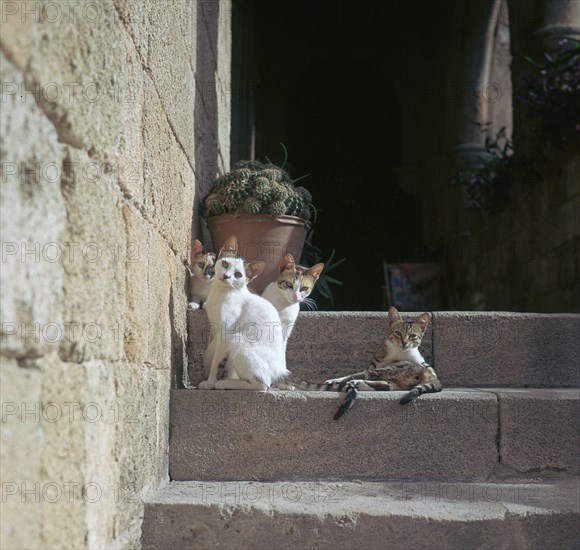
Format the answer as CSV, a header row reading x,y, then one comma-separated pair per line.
x,y
425,514
507,349
276,435
539,429
466,348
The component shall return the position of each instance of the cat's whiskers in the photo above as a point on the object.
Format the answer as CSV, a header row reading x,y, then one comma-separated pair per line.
x,y
309,304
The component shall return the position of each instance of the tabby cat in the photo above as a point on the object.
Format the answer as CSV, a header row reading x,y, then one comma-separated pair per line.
x,y
202,274
292,288
394,376
397,365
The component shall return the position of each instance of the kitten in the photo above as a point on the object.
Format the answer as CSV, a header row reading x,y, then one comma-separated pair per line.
x,y
400,350
248,330
293,286
202,274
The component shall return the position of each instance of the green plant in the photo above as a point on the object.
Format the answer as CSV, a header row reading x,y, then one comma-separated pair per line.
x,y
312,255
256,188
552,93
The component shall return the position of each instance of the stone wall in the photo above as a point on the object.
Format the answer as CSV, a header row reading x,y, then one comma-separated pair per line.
x,y
115,116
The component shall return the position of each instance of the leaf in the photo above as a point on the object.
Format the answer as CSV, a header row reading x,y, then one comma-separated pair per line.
x,y
301,178
532,62
285,156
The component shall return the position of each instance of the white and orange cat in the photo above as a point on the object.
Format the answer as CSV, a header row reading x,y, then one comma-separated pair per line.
x,y
247,329
293,286
202,272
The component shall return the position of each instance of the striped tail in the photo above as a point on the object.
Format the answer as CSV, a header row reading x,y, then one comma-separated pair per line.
x,y
432,387
351,395
292,382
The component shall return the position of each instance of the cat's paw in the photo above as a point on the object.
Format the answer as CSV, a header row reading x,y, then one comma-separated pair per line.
x,y
334,381
207,385
194,305
221,385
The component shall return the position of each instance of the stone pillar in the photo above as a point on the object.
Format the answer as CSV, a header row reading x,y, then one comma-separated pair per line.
x,y
476,28
472,52
560,18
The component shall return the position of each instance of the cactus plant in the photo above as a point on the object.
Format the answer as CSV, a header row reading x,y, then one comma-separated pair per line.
x,y
256,188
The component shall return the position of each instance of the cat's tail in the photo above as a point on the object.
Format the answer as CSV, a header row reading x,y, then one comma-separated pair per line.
x,y
351,395
432,387
292,382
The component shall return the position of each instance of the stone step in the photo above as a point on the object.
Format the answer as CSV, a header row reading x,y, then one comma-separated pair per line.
x,y
460,434
467,349
518,513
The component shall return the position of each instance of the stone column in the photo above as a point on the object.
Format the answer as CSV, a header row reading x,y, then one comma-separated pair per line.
x,y
560,18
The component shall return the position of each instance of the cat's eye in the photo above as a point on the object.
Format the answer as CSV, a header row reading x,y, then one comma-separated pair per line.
x,y
413,336
303,289
398,333
237,274
225,264
201,264
289,285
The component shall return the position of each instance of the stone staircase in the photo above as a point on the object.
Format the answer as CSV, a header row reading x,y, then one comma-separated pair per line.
x,y
491,462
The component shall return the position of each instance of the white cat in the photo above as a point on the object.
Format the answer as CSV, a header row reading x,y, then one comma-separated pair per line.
x,y
293,286
202,273
247,328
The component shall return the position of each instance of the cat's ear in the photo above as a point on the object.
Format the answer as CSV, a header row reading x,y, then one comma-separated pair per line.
x,y
394,316
287,262
315,271
423,321
197,248
253,269
230,247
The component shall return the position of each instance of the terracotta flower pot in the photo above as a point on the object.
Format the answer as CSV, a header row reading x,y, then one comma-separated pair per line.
x,y
261,237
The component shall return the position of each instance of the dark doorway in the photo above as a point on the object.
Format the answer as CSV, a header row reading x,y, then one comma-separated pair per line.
x,y
323,86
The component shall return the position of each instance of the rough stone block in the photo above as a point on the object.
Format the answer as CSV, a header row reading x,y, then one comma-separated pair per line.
x,y
370,515
136,316
140,414
507,349
19,36
164,34
64,418
87,92
169,183
539,429
94,280
32,220
22,441
171,53
178,320
238,435
72,435
160,277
